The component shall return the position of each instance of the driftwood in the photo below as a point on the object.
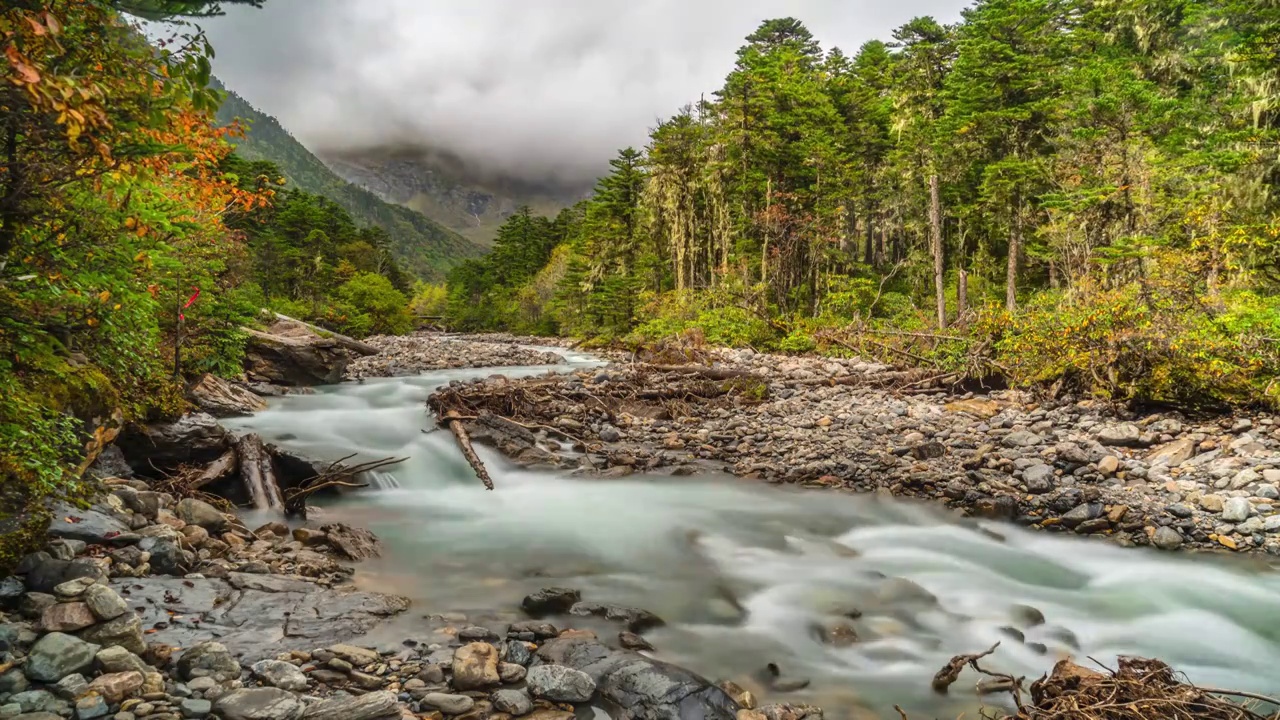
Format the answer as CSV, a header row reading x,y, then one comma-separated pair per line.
x,y
951,671
336,476
346,342
711,373
454,421
217,470
257,469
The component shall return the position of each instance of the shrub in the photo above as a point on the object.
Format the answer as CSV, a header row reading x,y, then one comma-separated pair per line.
x,y
375,306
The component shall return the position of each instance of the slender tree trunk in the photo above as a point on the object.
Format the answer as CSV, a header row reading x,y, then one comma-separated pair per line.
x,y
962,296
869,229
935,239
1011,275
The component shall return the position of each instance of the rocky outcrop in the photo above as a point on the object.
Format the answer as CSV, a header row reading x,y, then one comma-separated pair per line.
x,y
287,355
220,398
195,438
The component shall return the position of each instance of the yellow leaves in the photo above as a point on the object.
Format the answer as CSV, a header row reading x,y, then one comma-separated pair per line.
x,y
130,223
92,322
104,296
117,306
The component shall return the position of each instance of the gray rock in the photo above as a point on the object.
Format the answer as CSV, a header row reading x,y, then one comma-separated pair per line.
x,y
1021,439
196,512
610,434
1244,479
11,590
119,660
512,702
1236,510
50,573
1166,538
166,555
640,688
449,704
372,706
95,526
195,438
125,631
278,673
195,708
14,681
559,683
259,704
1122,435
208,659
1038,478
635,619
1082,514
57,655
33,701
105,603
1272,524
91,707
71,687
1269,492
1173,454
1180,510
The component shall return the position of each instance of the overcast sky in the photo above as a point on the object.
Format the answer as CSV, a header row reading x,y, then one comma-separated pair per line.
x,y
533,87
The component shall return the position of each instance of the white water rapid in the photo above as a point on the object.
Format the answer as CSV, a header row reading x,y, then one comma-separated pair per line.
x,y
927,584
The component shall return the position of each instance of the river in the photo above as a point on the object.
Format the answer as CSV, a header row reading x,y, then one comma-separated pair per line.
x,y
926,584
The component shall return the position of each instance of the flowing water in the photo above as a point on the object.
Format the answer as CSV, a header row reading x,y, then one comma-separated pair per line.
x,y
743,573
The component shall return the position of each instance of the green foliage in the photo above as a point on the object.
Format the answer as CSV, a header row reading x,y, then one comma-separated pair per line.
x,y
429,299
375,306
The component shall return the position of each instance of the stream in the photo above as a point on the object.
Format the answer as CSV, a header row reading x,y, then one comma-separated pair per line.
x,y
743,572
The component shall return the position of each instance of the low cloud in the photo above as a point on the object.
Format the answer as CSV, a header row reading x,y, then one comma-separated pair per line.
x,y
528,89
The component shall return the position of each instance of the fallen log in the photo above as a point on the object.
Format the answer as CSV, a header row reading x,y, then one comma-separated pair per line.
x,y
346,342
217,470
336,477
257,470
711,373
453,420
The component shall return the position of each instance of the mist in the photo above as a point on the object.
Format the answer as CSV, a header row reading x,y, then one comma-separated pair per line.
x,y
531,90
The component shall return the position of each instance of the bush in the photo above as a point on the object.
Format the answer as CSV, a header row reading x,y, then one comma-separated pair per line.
x,y
375,306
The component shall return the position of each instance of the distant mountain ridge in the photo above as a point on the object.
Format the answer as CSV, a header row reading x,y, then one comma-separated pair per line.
x,y
442,187
424,246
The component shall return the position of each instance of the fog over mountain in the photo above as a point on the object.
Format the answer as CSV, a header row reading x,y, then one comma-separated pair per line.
x,y
533,90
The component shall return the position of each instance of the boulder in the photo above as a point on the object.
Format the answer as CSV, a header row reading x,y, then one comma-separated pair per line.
x,y
1174,453
560,684
291,354
1236,510
635,619
95,525
222,399
208,659
259,704
195,438
119,660
550,601
278,673
512,702
117,686
637,687
354,544
475,667
196,512
449,704
104,603
125,631
58,655
373,706
357,656
1166,538
1039,479
1121,435
67,617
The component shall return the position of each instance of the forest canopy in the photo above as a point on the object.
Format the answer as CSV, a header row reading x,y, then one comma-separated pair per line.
x,y
1083,192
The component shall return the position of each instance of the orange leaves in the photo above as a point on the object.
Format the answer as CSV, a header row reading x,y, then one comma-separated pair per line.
x,y
25,72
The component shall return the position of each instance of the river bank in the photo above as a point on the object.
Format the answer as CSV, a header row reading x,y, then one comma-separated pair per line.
x,y
1156,479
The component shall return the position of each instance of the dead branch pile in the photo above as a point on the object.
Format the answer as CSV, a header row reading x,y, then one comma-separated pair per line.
x,y
1138,689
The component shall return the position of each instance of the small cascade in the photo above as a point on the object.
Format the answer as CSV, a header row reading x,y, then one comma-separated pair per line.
x,y
382,480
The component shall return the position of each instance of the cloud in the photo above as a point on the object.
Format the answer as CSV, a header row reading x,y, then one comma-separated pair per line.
x,y
529,88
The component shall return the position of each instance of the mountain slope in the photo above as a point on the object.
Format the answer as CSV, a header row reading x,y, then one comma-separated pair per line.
x,y
425,247
443,187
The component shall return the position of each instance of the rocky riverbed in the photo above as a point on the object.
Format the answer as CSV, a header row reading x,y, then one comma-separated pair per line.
x,y
1078,466
149,606
401,355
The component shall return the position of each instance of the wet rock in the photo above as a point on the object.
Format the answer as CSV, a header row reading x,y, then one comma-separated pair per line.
x,y
11,591
1082,514
638,687
196,512
58,655
351,543
222,399
166,555
517,652
371,706
357,656
208,659
283,675
290,354
636,620
512,702
259,704
194,708
91,707
632,641
550,601
117,686
560,684
475,667
449,704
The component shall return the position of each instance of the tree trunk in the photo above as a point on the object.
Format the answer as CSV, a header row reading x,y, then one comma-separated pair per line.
x,y
935,240
1011,275
257,469
870,230
962,296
